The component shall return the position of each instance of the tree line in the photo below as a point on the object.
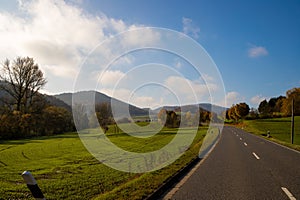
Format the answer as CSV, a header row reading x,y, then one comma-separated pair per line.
x,y
280,106
172,119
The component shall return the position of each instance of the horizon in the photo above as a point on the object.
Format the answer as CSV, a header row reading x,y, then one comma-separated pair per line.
x,y
155,108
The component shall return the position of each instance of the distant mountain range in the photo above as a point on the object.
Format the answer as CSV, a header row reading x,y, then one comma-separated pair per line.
x,y
84,97
52,100
194,108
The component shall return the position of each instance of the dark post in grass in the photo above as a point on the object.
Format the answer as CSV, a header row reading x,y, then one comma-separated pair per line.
x,y
32,185
293,123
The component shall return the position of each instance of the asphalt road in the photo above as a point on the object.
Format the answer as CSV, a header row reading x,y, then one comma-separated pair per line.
x,y
243,166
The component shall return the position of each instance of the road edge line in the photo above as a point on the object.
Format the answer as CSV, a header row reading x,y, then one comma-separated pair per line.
x,y
171,193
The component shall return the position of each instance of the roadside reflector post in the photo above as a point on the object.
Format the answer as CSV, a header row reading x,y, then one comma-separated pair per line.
x,y
33,186
268,134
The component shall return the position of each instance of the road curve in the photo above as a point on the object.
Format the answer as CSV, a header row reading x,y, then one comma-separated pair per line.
x,y
244,166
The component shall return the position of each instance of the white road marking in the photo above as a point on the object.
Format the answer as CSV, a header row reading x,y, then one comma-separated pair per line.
x,y
288,193
245,144
256,156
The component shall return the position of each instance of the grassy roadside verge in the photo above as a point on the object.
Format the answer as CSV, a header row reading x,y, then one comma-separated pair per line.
x,y
64,169
147,183
279,128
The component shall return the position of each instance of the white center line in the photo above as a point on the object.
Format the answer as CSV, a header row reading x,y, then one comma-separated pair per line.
x,y
288,193
256,156
245,144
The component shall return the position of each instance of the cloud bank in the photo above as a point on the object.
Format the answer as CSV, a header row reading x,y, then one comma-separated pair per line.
x,y
59,35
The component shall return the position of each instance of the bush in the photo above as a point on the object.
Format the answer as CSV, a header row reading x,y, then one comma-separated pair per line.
x,y
52,120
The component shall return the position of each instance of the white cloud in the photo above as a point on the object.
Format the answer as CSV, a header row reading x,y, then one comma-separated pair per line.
x,y
173,90
257,51
127,96
257,99
144,101
59,35
232,98
189,91
189,28
207,78
110,78
145,36
53,32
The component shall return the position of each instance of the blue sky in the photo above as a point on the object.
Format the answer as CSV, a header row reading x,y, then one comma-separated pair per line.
x,y
255,44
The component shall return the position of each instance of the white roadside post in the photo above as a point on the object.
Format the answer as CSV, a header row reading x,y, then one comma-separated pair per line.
x,y
33,186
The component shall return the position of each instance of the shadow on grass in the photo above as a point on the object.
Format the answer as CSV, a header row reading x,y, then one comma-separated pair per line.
x,y
164,131
38,139
274,120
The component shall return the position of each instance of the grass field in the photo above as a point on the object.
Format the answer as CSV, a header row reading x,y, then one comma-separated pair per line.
x,y
280,129
64,169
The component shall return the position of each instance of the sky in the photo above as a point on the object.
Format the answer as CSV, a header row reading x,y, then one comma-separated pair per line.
x,y
254,46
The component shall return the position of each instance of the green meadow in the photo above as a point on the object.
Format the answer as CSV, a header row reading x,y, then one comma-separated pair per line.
x,y
280,129
64,169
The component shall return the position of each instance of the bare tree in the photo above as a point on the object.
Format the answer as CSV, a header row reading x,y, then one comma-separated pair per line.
x,y
22,79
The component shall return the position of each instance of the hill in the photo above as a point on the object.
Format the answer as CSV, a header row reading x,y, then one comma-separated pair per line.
x,y
193,108
51,100
85,98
